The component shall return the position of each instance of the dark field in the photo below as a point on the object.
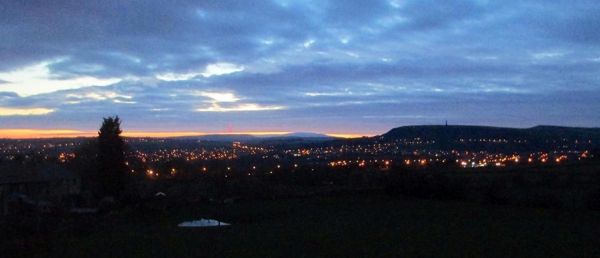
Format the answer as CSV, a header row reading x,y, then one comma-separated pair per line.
x,y
360,226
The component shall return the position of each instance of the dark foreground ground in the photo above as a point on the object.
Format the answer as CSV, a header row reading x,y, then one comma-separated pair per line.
x,y
358,226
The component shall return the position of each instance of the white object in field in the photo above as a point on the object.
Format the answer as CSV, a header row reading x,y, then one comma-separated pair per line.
x,y
203,223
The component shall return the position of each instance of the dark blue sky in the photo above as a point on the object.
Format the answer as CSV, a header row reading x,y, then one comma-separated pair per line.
x,y
321,66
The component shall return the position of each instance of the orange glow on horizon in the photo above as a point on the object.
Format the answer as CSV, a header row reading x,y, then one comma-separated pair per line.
x,y
184,134
67,133
342,135
43,133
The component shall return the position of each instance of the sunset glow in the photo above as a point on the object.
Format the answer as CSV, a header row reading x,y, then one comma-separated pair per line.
x,y
37,133
186,134
61,133
58,133
342,135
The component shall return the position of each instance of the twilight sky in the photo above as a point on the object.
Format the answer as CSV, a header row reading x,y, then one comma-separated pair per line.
x,y
347,67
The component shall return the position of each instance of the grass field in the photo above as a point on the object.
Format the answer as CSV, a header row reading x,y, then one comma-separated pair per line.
x,y
358,226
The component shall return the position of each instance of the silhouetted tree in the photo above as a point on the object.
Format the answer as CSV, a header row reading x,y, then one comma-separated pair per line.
x,y
111,176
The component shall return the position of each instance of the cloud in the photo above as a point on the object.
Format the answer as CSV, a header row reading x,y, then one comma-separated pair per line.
x,y
318,64
543,55
210,70
238,108
100,95
24,111
317,94
219,96
427,15
124,102
8,95
37,79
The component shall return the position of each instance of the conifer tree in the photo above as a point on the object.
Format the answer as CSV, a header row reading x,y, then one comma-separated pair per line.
x,y
111,175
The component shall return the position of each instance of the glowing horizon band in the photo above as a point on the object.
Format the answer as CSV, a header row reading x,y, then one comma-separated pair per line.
x,y
66,133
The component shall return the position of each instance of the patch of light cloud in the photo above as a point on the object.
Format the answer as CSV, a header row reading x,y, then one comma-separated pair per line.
x,y
238,108
308,43
24,111
494,88
221,68
392,21
176,76
544,55
210,70
219,96
318,94
283,3
98,96
38,79
228,97
396,3
124,101
160,109
146,80
343,103
202,14
87,68
352,54
475,58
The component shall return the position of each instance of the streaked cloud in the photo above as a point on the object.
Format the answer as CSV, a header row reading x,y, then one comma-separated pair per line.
x,y
38,79
4,111
102,95
124,101
238,108
317,94
308,43
543,55
210,70
219,96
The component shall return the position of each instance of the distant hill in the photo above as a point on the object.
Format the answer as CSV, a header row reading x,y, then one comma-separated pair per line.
x,y
495,138
464,131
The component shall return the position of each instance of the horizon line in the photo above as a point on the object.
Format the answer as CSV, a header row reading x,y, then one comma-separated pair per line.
x,y
69,133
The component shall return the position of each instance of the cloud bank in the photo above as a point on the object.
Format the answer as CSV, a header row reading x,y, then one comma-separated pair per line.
x,y
324,66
